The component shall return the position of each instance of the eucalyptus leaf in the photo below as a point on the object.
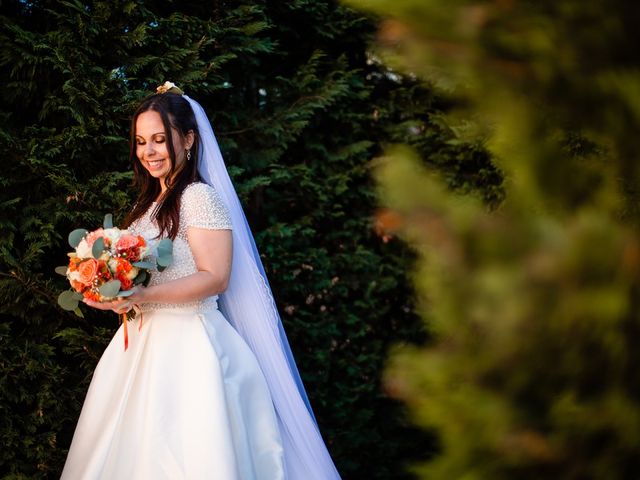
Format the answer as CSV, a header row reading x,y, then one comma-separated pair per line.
x,y
62,270
146,265
98,247
161,268
110,289
165,260
126,293
108,221
78,312
68,300
140,278
76,236
165,247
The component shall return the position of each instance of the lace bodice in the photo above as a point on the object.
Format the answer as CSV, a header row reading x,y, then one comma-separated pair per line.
x,y
201,207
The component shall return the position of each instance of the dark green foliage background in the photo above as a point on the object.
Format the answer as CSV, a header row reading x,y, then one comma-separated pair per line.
x,y
299,109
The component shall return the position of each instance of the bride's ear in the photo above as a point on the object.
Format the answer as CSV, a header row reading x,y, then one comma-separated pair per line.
x,y
189,139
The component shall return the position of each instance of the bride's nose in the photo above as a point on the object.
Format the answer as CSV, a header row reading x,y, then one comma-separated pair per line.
x,y
149,150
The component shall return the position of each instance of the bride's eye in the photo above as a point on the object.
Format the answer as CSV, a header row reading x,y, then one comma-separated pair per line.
x,y
159,139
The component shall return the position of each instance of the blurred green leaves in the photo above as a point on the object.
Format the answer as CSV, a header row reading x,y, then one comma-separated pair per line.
x,y
534,305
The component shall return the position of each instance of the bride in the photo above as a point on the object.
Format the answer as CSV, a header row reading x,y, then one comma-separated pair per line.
x,y
208,388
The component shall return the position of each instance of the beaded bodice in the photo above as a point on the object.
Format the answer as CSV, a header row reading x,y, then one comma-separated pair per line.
x,y
200,207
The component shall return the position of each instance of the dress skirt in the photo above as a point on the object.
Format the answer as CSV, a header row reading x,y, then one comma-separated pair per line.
x,y
187,400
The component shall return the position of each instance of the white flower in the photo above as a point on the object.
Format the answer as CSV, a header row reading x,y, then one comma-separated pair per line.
x,y
145,251
83,250
75,275
166,87
150,249
113,234
113,264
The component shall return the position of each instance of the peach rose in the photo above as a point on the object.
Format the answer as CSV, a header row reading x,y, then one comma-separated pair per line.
x,y
93,236
126,242
87,271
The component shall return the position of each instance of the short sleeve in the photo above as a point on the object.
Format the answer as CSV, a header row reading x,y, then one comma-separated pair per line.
x,y
202,207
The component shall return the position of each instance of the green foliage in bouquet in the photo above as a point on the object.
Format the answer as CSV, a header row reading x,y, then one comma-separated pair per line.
x,y
532,371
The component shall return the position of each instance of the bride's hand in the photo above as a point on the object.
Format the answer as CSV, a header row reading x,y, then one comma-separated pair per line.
x,y
121,304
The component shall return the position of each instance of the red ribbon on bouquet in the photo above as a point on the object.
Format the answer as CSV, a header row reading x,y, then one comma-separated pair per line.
x,y
123,319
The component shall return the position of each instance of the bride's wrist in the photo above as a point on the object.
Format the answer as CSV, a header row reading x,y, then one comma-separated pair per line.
x,y
144,294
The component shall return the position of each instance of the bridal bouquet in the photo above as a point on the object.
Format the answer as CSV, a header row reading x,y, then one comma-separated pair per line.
x,y
108,262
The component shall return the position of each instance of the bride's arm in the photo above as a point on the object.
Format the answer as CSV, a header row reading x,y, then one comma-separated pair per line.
x,y
212,252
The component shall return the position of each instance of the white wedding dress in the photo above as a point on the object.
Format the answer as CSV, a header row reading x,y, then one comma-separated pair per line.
x,y
187,399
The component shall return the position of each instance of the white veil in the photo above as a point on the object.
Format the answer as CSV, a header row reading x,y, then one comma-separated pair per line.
x,y
249,306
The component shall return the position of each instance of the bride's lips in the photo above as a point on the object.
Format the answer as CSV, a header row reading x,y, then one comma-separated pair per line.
x,y
155,164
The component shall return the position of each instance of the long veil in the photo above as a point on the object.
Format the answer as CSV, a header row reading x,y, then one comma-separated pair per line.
x,y
249,306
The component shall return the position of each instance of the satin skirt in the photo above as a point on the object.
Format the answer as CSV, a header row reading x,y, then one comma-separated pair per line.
x,y
186,400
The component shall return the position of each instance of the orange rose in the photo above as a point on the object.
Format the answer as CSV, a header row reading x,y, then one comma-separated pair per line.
x,y
91,295
125,283
88,270
122,265
78,287
129,247
126,242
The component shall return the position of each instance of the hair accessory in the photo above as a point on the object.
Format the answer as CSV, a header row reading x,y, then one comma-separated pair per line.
x,y
248,305
169,87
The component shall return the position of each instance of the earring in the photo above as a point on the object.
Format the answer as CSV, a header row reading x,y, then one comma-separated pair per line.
x,y
188,155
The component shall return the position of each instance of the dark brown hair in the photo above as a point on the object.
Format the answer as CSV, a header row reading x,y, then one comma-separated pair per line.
x,y
176,113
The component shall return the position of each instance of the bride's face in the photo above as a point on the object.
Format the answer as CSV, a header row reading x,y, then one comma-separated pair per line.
x,y
151,145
